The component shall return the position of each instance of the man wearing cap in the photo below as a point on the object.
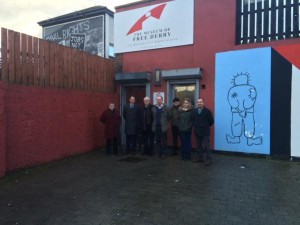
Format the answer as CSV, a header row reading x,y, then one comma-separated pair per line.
x,y
174,113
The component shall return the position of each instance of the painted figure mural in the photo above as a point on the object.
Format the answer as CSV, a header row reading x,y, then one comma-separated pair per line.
x,y
242,97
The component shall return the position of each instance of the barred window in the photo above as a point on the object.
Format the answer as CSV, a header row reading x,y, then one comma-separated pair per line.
x,y
267,20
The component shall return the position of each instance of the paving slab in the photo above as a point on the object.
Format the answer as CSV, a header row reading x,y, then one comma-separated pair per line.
x,y
95,189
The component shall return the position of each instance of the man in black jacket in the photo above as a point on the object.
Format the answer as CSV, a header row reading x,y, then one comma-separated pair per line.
x,y
174,113
145,120
202,119
130,116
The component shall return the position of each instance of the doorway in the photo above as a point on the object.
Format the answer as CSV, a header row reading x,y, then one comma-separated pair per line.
x,y
139,91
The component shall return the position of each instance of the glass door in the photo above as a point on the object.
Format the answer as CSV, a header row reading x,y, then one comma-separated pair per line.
x,y
183,89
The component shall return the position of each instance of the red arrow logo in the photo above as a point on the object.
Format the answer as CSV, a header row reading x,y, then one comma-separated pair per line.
x,y
156,13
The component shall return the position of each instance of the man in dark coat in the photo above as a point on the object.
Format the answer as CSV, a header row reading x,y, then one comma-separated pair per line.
x,y
203,119
174,113
145,120
130,116
112,120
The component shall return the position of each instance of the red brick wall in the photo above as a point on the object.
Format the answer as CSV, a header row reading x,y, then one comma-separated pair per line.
x,y
47,124
2,132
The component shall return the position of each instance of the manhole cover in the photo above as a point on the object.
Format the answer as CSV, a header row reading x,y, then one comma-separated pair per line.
x,y
131,159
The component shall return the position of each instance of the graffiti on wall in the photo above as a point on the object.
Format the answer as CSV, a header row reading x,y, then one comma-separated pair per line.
x,y
242,101
241,98
86,34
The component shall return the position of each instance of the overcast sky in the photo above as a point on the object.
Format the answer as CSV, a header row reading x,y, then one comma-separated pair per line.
x,y
23,15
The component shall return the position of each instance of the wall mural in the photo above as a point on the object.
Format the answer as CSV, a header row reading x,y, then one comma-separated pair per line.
x,y
248,85
295,112
242,101
241,97
86,35
291,53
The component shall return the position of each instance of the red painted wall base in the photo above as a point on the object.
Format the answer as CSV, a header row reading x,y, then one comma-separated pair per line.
x,y
42,124
2,132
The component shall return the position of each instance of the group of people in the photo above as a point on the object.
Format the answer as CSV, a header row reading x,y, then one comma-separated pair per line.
x,y
150,123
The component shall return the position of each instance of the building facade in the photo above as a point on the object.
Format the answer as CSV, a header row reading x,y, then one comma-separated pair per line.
x,y
89,30
202,48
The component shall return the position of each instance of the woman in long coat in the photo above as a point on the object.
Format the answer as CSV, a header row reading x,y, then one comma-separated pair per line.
x,y
185,128
112,120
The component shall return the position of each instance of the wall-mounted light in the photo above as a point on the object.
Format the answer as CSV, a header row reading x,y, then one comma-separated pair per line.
x,y
157,77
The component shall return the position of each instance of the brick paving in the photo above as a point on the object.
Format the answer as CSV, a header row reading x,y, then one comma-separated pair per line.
x,y
94,189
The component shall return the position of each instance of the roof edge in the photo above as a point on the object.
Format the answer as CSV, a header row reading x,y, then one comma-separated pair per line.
x,y
133,3
81,14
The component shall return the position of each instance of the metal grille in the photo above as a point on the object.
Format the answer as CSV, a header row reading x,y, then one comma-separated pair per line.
x,y
267,20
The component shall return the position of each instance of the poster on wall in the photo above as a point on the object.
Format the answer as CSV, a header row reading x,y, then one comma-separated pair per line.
x,y
162,25
242,101
156,94
86,34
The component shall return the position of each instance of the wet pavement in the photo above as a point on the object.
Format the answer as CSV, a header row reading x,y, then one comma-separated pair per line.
x,y
94,189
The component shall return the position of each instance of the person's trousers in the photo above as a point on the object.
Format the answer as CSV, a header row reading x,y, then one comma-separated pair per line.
x,y
203,147
112,142
161,141
148,140
130,143
176,136
186,145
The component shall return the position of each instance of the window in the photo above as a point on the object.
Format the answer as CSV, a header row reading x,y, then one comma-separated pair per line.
x,y
183,89
267,20
111,51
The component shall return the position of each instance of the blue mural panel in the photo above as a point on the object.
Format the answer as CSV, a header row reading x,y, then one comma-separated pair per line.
x,y
242,101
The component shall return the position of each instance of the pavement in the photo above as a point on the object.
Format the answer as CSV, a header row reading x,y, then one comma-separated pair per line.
x,y
95,189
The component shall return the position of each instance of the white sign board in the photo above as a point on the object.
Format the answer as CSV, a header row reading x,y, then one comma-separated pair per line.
x,y
155,94
162,25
